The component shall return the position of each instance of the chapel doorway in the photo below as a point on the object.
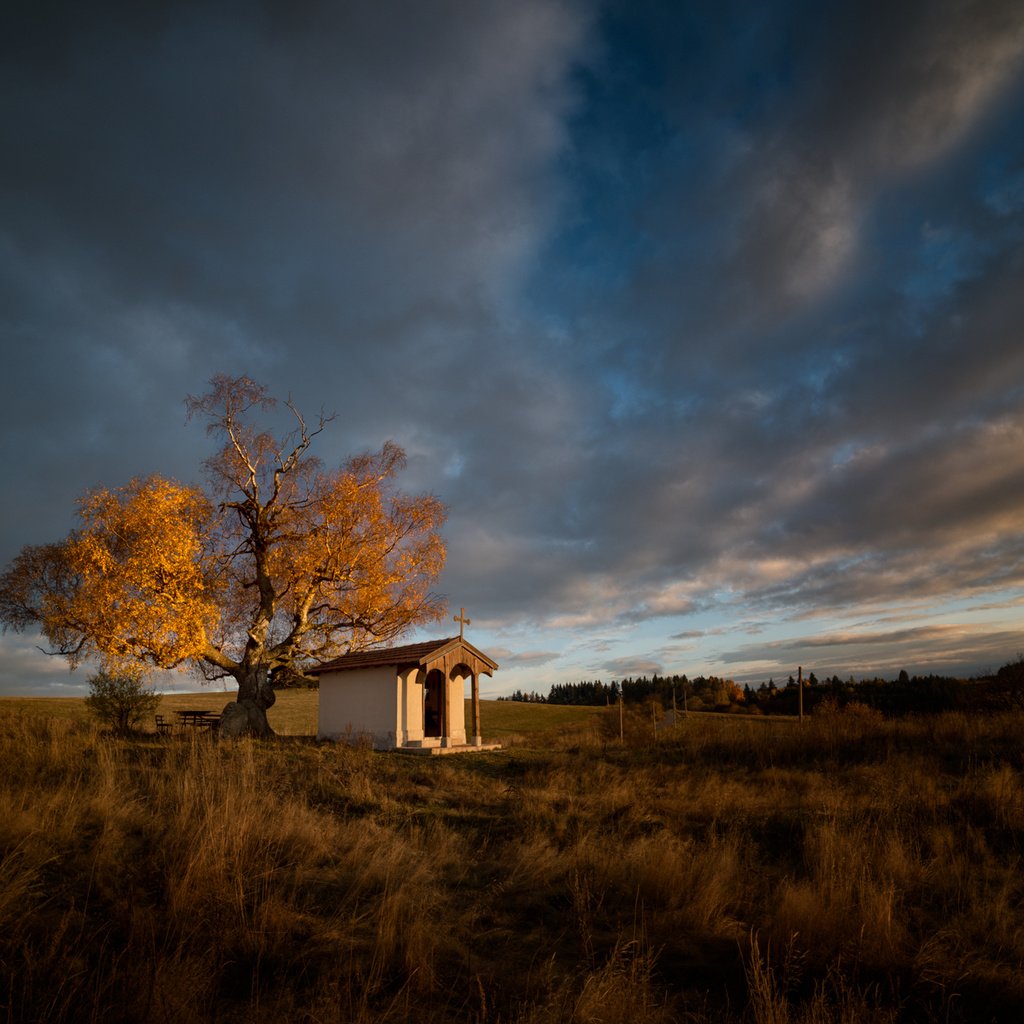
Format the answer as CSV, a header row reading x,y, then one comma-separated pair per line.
x,y
433,697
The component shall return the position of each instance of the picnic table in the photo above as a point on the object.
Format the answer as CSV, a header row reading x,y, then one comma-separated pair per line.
x,y
199,718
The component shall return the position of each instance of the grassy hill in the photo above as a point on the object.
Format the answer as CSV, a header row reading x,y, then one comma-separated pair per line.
x,y
849,870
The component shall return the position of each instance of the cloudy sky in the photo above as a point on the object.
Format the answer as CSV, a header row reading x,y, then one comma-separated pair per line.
x,y
704,319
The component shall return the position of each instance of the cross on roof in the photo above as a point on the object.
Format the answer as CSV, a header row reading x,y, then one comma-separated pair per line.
x,y
462,621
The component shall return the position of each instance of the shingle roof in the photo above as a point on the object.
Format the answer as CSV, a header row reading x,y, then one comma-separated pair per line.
x,y
409,654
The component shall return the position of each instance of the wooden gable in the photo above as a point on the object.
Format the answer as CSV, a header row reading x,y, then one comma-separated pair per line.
x,y
440,654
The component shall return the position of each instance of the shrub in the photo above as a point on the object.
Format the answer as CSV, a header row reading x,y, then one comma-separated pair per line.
x,y
121,699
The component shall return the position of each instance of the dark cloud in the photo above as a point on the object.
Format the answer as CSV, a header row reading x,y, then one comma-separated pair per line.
x,y
522,659
633,666
334,203
816,395
706,314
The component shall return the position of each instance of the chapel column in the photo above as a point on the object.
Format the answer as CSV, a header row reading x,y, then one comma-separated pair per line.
x,y
477,738
446,740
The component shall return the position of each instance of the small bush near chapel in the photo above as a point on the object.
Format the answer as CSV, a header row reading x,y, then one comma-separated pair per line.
x,y
121,699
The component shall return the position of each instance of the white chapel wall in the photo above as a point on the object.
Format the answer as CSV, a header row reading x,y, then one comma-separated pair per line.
x,y
359,701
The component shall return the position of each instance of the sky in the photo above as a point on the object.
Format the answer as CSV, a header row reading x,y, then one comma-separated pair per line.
x,y
704,319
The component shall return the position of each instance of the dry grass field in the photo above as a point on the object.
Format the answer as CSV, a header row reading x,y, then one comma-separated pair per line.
x,y
848,870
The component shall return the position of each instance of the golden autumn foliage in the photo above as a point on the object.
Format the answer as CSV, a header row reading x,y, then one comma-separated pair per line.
x,y
142,595
278,565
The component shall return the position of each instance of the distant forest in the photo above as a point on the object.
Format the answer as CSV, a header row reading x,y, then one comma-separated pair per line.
x,y
904,695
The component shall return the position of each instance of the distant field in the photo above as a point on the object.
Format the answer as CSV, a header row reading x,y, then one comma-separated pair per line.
x,y
295,713
500,719
45,707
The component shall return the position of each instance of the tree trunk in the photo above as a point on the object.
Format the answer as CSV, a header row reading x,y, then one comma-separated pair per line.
x,y
247,714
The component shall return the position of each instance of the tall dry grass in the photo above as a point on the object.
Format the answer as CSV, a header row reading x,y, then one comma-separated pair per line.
x,y
850,869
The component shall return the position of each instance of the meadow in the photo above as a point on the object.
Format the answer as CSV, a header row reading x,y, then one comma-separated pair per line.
x,y
295,713
850,869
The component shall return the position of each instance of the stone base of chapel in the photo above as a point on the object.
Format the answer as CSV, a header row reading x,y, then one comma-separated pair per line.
x,y
457,748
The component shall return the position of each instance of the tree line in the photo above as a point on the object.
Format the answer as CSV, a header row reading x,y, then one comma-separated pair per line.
x,y
905,694
636,690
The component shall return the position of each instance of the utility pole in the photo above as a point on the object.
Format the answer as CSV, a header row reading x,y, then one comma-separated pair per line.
x,y
800,686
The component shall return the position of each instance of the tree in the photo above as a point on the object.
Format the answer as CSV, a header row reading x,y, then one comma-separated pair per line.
x,y
275,566
121,699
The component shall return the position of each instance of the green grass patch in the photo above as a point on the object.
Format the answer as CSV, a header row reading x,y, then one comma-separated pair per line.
x,y
501,719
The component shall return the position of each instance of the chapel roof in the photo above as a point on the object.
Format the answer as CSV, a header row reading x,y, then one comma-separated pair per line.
x,y
450,650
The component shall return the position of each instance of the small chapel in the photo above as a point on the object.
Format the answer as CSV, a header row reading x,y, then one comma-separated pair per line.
x,y
409,698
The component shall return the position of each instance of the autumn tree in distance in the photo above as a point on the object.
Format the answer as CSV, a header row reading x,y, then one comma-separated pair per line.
x,y
275,566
